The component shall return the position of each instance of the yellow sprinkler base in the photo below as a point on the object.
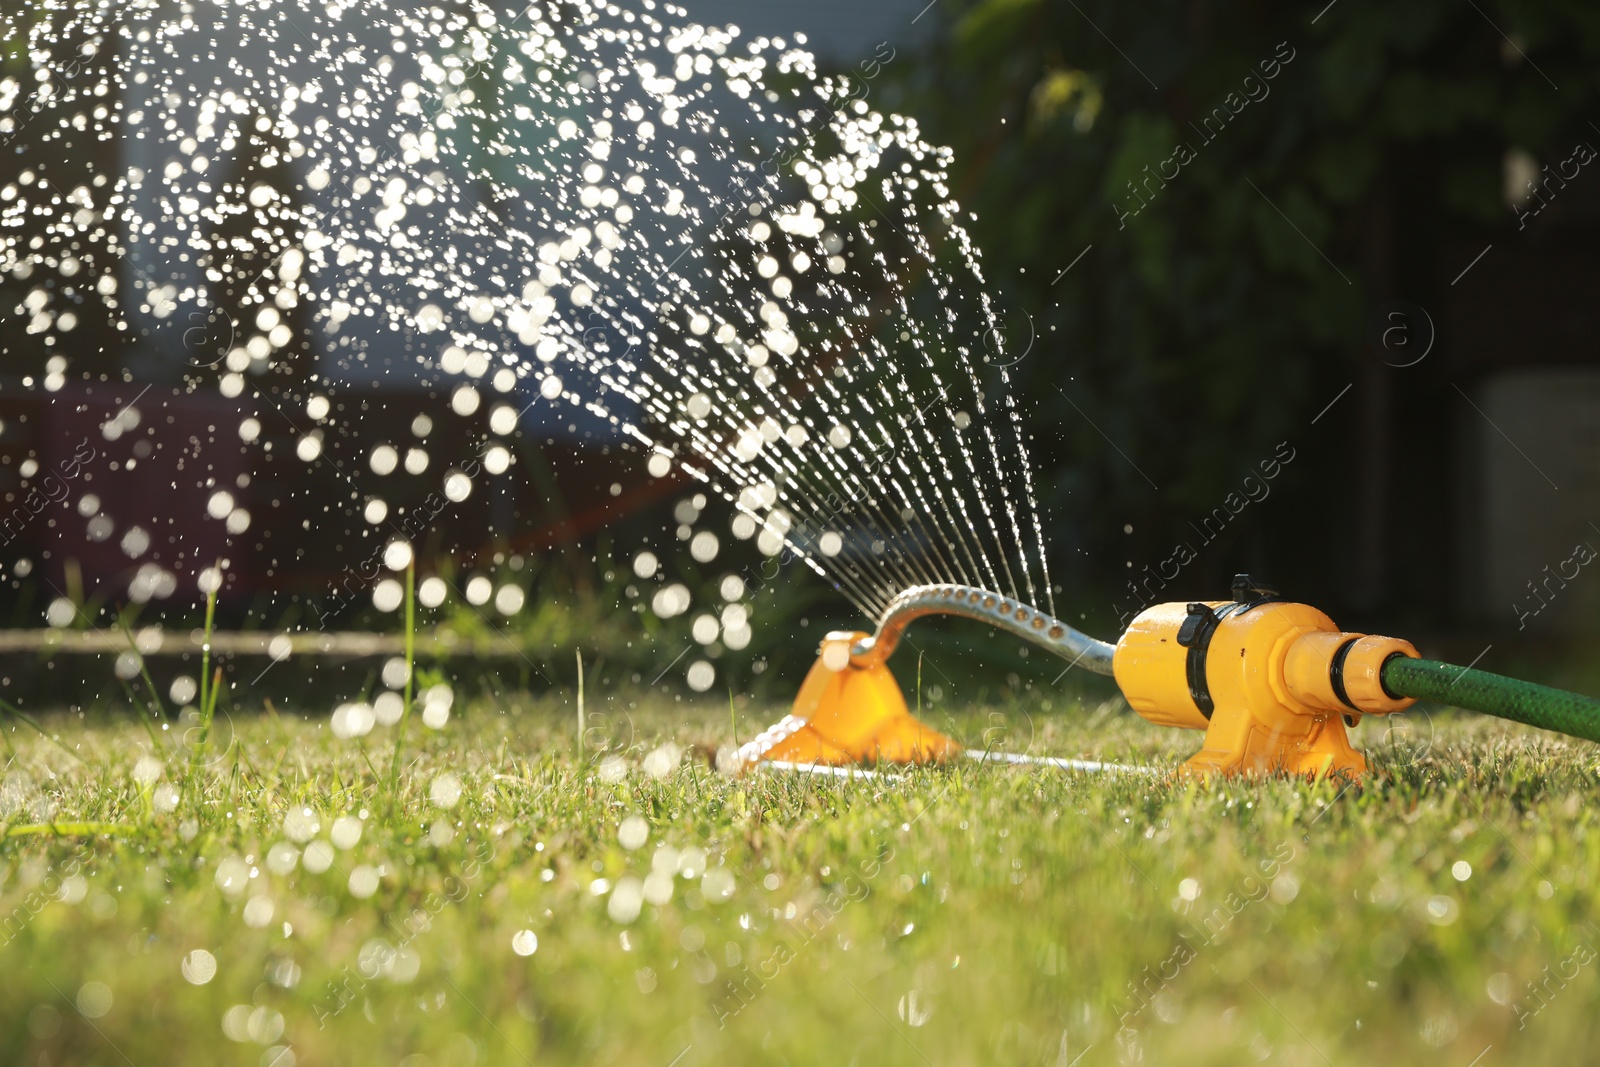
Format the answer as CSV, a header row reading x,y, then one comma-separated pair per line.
x,y
849,711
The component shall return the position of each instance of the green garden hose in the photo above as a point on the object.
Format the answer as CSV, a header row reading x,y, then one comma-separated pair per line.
x,y
1491,694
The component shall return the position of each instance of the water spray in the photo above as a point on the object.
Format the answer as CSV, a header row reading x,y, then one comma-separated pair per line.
x,y
622,235
1274,684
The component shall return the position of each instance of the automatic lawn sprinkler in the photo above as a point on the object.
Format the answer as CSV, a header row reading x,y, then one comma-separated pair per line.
x,y
1274,684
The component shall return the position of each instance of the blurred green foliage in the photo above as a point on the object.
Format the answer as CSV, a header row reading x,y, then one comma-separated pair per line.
x,y
1234,305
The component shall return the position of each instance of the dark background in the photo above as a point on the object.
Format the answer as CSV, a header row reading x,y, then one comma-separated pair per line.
x,y
1256,286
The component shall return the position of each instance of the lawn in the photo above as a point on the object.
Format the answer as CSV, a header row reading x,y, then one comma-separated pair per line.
x,y
518,904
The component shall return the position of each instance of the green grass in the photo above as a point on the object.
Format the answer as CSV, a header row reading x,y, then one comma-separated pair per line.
x,y
970,915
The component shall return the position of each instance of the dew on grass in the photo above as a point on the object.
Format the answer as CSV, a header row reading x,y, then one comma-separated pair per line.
x,y
233,875
662,760
657,887
236,1023
94,1000
352,720
633,832
346,832
282,858
404,966
165,798
445,790
691,862
1439,1029
44,1021
260,1025
363,881
301,825
284,972
16,790
626,900
258,912
1441,910
387,707
717,884
318,857
103,906
915,1009
524,942
440,696
199,967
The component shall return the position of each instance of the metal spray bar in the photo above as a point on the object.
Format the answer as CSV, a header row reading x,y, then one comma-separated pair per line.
x,y
1010,615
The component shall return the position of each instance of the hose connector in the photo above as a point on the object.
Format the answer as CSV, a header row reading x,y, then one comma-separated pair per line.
x,y
1342,672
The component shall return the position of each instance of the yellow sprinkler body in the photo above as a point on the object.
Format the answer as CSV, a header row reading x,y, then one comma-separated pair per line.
x,y
1272,683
